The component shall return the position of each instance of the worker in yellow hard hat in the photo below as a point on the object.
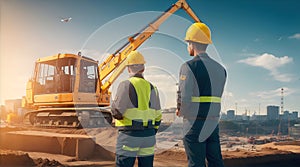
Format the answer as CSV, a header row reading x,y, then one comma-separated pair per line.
x,y
201,85
137,111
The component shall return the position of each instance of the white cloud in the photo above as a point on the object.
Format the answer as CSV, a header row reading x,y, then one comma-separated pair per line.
x,y
273,93
227,94
271,63
295,36
267,61
282,77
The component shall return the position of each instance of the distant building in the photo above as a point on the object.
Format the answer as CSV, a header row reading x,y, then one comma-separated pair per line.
x,y
295,131
2,112
239,117
272,112
286,115
294,115
13,105
230,115
261,117
245,117
223,116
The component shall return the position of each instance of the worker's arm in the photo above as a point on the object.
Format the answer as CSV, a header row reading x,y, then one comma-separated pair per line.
x,y
155,104
185,90
121,101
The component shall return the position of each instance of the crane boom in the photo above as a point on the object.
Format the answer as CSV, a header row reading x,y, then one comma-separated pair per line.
x,y
115,62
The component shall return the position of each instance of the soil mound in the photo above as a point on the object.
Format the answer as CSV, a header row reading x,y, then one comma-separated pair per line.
x,y
47,163
15,158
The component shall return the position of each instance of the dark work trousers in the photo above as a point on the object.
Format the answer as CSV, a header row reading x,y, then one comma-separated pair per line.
x,y
135,144
208,148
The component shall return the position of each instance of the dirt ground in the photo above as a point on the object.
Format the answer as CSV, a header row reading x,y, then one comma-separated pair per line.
x,y
266,155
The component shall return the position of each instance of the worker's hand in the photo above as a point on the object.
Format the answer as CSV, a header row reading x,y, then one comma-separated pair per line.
x,y
178,114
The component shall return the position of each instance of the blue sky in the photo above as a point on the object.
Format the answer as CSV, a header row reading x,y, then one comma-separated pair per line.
x,y
257,40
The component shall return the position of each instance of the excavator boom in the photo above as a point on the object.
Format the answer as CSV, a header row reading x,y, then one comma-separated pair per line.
x,y
114,63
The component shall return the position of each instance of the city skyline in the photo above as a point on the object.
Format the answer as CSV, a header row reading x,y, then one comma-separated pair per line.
x,y
273,113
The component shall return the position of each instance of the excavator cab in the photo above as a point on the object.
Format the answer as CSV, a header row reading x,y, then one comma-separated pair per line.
x,y
64,80
59,76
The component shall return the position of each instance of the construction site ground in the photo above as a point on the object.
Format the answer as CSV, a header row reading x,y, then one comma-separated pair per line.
x,y
238,153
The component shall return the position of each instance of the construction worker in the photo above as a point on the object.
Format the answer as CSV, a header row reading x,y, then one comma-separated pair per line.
x,y
201,85
137,111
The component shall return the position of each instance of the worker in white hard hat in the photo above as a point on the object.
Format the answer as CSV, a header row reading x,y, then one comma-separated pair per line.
x,y
201,85
137,111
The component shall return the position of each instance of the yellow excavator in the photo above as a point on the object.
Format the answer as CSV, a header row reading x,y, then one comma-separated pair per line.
x,y
71,90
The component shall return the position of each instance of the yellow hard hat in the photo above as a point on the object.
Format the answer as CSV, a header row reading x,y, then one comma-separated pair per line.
x,y
198,32
135,57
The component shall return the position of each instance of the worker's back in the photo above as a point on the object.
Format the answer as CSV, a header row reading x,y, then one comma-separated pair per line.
x,y
209,81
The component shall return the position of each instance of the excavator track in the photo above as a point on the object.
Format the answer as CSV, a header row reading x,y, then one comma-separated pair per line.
x,y
69,117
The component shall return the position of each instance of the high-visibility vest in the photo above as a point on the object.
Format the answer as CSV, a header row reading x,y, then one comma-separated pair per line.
x,y
206,99
142,116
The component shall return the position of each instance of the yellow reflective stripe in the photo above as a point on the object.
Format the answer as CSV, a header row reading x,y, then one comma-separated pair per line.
x,y
123,122
141,151
127,148
146,151
143,91
156,127
135,114
158,115
206,99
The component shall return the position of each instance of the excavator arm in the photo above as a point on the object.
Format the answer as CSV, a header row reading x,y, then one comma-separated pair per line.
x,y
115,62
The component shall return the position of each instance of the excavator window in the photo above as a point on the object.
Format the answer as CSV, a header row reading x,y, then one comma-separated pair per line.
x,y
55,76
88,76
